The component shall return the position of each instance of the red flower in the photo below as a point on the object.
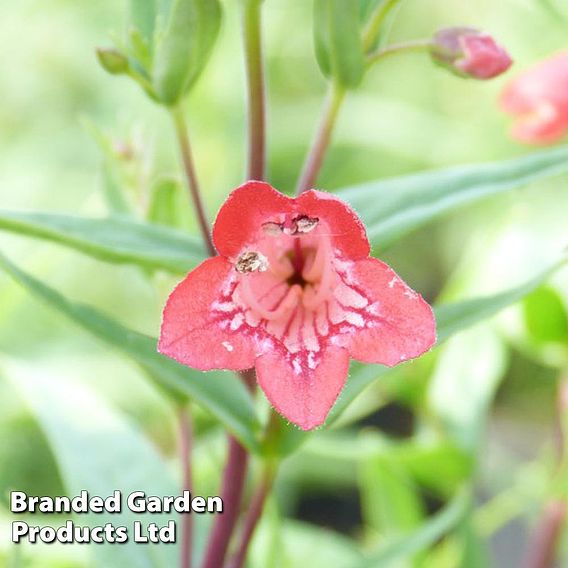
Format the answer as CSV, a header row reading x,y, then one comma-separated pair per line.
x,y
294,294
538,99
470,53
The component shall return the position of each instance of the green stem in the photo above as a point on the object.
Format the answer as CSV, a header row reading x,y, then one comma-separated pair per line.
x,y
417,46
191,178
373,27
255,90
322,138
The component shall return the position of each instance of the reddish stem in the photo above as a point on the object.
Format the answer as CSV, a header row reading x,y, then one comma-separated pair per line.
x,y
251,520
542,550
544,541
185,444
320,144
191,177
232,486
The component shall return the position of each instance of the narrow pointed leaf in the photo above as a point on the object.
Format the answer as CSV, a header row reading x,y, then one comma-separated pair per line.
x,y
220,393
393,207
118,239
423,537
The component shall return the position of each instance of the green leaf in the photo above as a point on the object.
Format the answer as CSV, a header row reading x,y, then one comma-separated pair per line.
x,y
423,537
451,319
115,239
301,543
184,46
222,394
389,498
545,316
338,44
143,18
97,450
467,374
367,7
393,207
164,209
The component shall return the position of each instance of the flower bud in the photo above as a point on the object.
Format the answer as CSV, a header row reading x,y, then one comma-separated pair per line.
x,y
471,53
113,61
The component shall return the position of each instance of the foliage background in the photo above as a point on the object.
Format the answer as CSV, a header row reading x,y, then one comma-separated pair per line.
x,y
408,116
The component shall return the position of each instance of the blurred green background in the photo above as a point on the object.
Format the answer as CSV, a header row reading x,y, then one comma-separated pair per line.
x,y
408,116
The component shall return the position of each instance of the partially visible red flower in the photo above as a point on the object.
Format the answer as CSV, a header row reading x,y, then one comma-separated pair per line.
x,y
294,294
538,99
470,53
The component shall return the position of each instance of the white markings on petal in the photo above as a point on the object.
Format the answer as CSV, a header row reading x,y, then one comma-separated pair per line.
x,y
312,363
225,307
227,345
237,321
355,319
322,324
349,297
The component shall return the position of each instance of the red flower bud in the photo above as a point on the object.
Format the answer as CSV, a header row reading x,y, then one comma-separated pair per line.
x,y
470,53
538,99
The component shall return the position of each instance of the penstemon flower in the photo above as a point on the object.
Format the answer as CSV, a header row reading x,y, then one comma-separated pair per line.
x,y
295,294
538,99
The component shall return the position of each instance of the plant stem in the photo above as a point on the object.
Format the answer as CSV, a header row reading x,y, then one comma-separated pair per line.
x,y
547,533
185,444
320,144
191,178
419,45
255,90
253,516
544,541
234,476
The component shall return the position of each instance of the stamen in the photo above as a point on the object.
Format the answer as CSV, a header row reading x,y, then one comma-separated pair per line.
x,y
251,262
273,229
305,224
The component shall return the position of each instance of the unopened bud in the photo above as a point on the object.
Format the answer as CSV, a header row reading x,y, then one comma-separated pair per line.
x,y
113,61
470,53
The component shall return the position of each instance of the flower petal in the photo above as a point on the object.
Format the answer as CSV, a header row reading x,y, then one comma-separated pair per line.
x,y
193,333
347,230
301,394
399,324
538,98
241,218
